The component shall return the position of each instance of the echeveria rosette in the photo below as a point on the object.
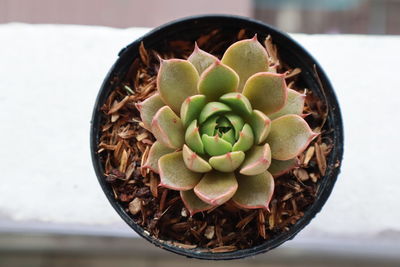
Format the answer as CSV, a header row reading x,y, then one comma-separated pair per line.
x,y
224,128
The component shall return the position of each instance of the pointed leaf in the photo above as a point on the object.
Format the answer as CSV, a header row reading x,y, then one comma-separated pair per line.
x,y
227,162
200,59
194,162
208,127
237,123
193,139
168,128
229,136
246,58
176,80
157,150
149,108
215,188
280,167
266,91
193,203
261,125
174,174
257,161
211,109
217,80
223,122
246,139
215,146
294,105
289,136
237,102
254,191
191,108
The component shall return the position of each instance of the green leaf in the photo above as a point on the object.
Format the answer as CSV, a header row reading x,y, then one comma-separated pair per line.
x,y
211,109
261,126
237,123
215,146
191,108
200,59
217,80
238,103
280,167
157,150
149,108
168,128
193,203
194,162
227,162
266,91
176,80
174,174
254,192
257,161
246,139
246,58
208,127
215,188
289,136
294,105
229,136
193,139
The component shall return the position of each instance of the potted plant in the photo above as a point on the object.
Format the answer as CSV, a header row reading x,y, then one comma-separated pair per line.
x,y
216,137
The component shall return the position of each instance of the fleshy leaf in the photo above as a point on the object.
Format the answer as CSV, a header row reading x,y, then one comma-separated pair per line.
x,y
191,108
237,102
157,150
174,174
149,108
294,105
254,191
227,162
176,80
200,59
261,126
289,136
194,162
211,109
215,188
246,139
229,136
215,146
279,167
193,203
246,58
208,127
237,123
257,161
266,91
168,128
217,80
193,139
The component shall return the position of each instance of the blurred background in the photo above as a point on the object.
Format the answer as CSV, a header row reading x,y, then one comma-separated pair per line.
x,y
306,16
53,212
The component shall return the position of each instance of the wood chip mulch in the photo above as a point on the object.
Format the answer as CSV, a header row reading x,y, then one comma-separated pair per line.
x,y
124,146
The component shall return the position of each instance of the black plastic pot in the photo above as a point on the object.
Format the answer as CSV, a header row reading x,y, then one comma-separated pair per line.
x,y
291,52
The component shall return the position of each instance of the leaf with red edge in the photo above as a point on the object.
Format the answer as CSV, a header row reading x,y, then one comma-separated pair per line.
x,y
193,203
215,188
200,59
149,108
157,150
294,105
191,108
261,126
194,162
227,162
176,80
289,136
254,191
167,128
280,167
174,174
257,160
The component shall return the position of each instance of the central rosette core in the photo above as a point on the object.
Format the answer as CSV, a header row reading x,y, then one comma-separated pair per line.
x,y
218,132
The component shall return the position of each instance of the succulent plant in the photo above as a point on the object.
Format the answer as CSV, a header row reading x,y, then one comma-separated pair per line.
x,y
224,128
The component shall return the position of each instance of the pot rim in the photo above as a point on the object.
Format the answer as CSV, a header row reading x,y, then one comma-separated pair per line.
x,y
330,98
